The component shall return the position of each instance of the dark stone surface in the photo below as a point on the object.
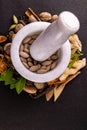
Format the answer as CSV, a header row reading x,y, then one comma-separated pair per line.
x,y
20,112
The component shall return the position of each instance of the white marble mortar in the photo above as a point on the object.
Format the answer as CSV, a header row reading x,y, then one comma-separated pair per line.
x,y
63,54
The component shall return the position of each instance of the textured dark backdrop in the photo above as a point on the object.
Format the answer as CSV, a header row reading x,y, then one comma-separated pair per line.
x,y
20,112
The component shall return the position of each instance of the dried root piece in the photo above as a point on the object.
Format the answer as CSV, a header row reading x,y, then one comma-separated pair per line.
x,y
32,16
76,66
49,95
58,89
75,43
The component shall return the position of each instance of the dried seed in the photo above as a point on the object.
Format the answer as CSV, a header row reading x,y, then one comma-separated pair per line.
x,y
22,22
35,62
26,65
41,71
43,67
54,57
39,85
34,68
26,46
53,65
39,66
23,59
18,27
46,62
15,20
29,59
12,27
31,41
54,17
21,47
7,48
30,89
2,38
11,33
34,36
23,54
30,64
26,40
48,68
26,50
45,16
13,36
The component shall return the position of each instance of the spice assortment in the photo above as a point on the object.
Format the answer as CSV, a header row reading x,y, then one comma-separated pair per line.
x,y
9,75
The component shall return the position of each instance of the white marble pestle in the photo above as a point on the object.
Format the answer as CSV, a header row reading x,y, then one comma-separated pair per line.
x,y
54,36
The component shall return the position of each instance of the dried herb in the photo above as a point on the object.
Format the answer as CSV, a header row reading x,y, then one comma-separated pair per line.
x,y
74,58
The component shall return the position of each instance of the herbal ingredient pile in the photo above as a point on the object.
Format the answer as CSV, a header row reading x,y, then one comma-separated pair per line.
x,y
9,75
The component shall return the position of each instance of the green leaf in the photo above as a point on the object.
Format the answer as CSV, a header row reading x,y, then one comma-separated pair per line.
x,y
18,84
71,64
7,76
79,53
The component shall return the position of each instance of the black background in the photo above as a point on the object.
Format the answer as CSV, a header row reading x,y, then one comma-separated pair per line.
x,y
20,112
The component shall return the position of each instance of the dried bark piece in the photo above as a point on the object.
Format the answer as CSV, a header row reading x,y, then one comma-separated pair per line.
x,y
2,38
31,15
49,95
58,89
75,42
76,66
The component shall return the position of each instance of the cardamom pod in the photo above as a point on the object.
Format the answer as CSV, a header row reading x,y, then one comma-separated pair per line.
x,y
15,20
12,27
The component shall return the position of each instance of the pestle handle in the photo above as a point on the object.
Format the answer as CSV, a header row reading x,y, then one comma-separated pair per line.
x,y
57,33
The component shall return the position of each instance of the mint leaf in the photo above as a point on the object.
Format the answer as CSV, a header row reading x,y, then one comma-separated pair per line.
x,y
18,84
7,76
71,64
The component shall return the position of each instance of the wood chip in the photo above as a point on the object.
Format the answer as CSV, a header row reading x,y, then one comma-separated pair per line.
x,y
49,95
58,89
76,67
